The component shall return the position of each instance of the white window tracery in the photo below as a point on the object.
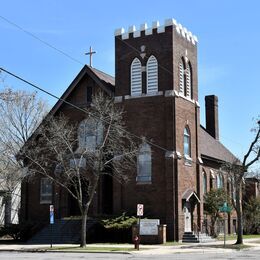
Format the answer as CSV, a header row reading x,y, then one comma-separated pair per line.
x,y
152,75
136,77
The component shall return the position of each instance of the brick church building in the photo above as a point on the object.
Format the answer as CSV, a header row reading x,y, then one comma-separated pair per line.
x,y
156,81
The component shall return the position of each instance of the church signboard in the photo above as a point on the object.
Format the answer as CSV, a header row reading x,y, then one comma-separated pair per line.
x,y
149,227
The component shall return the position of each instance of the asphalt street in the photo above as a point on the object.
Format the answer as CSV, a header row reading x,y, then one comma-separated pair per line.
x,y
245,254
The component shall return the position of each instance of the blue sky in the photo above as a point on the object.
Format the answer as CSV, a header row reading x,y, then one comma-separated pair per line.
x,y
228,48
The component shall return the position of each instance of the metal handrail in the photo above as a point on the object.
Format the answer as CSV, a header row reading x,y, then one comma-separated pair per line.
x,y
196,230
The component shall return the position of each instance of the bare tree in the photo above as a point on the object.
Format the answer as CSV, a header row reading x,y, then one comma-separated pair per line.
x,y
21,113
237,172
75,156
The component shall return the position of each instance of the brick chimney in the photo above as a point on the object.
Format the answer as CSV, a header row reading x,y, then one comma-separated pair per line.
x,y
211,103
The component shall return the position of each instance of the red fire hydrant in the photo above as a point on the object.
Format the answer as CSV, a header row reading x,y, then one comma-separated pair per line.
x,y
136,241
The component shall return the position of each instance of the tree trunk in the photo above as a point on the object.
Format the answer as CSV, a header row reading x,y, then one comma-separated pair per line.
x,y
239,215
213,230
8,209
85,209
83,242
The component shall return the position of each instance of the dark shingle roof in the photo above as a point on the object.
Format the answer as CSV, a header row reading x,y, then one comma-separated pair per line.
x,y
213,148
104,77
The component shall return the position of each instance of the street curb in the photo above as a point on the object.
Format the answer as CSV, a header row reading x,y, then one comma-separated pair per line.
x,y
62,251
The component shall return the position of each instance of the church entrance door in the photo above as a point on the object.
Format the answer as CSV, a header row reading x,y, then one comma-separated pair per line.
x,y
187,217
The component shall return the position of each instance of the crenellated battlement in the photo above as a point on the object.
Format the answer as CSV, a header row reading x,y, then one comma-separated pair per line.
x,y
159,28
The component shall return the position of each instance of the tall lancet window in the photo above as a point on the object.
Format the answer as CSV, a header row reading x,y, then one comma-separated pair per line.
x,y
185,78
152,75
188,81
90,134
144,164
204,176
220,182
186,142
136,77
181,77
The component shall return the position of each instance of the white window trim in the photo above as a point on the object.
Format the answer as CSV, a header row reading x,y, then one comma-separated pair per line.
x,y
136,77
181,69
188,82
152,75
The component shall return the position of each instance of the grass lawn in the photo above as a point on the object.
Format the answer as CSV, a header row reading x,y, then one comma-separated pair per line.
x,y
234,237
172,243
237,247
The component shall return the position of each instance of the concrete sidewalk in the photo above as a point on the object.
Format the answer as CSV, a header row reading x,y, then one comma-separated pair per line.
x,y
144,249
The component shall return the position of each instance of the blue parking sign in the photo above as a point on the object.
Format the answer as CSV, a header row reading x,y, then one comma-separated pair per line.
x,y
51,214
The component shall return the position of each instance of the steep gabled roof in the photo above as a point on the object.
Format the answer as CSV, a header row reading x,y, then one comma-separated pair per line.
x,y
108,79
105,81
214,149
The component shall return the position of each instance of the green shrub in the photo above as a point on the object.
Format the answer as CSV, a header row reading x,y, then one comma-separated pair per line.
x,y
121,222
116,229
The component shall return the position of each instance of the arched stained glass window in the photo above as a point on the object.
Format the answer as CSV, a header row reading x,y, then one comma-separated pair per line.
x,y
204,176
220,182
90,134
144,164
186,143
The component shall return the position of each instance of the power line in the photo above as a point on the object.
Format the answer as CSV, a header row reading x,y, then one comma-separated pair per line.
x,y
63,52
85,111
40,40
72,105
75,60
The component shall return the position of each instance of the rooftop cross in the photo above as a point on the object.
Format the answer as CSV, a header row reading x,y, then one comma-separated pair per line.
x,y
90,53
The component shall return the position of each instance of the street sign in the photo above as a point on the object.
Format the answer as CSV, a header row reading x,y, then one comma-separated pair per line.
x,y
140,210
225,208
51,214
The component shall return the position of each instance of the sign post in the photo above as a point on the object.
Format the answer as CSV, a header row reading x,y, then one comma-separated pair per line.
x,y
225,209
51,219
140,213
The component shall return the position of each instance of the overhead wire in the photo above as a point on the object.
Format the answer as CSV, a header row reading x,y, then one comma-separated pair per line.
x,y
75,60
85,111
40,40
71,104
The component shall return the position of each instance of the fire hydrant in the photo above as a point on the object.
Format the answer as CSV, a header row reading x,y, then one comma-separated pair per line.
x,y
136,241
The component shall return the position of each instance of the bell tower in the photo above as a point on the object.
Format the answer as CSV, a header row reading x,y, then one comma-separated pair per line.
x,y
168,46
156,82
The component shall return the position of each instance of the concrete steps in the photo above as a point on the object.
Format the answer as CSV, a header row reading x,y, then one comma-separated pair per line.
x,y
190,237
204,238
64,231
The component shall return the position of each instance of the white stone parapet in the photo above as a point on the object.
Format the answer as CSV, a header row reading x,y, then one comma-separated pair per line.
x,y
182,31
